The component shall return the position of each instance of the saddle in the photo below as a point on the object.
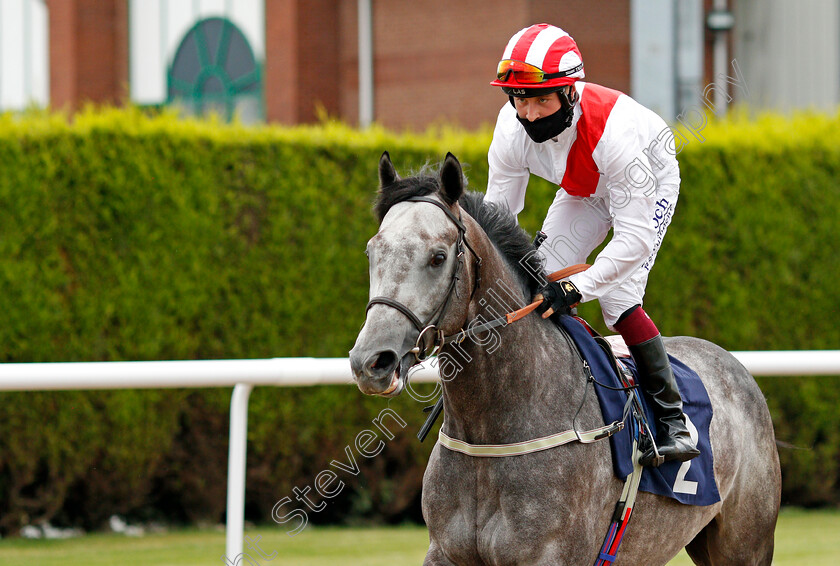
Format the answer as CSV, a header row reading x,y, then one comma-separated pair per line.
x,y
692,482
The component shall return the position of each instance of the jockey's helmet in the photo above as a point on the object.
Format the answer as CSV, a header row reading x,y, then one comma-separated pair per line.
x,y
539,60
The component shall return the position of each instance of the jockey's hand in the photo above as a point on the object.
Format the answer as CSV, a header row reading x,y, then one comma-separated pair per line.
x,y
560,296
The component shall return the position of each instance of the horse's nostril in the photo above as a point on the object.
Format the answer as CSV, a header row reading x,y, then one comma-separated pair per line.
x,y
384,361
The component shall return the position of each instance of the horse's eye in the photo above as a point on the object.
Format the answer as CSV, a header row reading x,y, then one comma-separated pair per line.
x,y
438,259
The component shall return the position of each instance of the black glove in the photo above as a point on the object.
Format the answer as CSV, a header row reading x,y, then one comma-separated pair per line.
x,y
559,297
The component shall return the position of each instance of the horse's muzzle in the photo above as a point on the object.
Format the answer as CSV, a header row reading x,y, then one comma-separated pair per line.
x,y
377,373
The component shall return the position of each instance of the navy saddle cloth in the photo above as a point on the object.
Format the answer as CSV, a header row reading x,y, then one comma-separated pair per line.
x,y
691,482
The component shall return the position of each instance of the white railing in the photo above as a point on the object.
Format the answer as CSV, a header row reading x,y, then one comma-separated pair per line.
x,y
243,375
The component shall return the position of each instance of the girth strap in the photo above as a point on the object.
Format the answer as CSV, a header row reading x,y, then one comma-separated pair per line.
x,y
529,446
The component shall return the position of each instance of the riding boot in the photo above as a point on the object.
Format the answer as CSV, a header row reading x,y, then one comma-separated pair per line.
x,y
672,437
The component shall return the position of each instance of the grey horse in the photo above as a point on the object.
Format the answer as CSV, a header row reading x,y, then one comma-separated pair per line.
x,y
550,507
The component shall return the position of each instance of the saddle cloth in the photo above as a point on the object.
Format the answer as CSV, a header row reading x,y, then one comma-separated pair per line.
x,y
691,482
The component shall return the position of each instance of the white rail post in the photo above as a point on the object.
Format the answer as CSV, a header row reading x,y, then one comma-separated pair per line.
x,y
237,451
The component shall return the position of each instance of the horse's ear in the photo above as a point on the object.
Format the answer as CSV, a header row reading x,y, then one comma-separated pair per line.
x,y
451,180
387,173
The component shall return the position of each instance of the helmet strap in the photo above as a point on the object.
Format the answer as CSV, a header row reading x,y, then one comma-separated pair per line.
x,y
568,101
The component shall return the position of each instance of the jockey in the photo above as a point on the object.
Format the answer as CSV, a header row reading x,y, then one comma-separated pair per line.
x,y
615,163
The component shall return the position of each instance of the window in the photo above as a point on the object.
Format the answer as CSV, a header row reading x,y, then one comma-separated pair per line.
x,y
24,54
214,70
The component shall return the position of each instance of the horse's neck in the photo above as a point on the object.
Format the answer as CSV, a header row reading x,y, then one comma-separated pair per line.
x,y
512,383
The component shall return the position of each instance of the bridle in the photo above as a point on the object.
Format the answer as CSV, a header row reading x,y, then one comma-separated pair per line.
x,y
428,329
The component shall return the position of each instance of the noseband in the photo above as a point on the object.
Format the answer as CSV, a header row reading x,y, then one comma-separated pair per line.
x,y
430,325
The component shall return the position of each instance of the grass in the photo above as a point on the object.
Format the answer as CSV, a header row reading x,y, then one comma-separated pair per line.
x,y
802,537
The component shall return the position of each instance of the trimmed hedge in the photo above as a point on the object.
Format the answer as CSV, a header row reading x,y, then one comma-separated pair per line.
x,y
129,237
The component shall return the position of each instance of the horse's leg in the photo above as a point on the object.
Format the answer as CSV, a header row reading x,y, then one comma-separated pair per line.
x,y
698,549
742,532
746,462
721,545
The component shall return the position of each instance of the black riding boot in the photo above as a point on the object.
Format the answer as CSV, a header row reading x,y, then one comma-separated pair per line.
x,y
657,379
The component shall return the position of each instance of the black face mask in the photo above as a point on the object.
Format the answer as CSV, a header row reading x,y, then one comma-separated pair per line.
x,y
548,127
543,129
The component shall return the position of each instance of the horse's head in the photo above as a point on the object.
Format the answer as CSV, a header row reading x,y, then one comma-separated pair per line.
x,y
421,274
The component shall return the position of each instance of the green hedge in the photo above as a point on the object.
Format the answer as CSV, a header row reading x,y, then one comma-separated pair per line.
x,y
752,265
128,237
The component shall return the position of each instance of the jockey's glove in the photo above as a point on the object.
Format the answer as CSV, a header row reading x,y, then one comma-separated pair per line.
x,y
559,297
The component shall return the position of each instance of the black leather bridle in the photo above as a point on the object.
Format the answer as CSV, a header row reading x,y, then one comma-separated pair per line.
x,y
429,326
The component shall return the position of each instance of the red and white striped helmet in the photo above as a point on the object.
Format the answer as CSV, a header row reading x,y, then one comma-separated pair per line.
x,y
539,58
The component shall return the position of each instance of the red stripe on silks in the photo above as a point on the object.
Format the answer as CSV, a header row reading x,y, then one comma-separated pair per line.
x,y
581,176
520,50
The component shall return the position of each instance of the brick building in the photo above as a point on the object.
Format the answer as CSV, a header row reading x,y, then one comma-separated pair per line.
x,y
88,51
432,60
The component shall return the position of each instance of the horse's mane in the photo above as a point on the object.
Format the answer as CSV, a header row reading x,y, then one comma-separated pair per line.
x,y
512,242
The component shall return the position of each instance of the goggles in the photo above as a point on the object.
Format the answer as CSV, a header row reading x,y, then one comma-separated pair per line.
x,y
525,73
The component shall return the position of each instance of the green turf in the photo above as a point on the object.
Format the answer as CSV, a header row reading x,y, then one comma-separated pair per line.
x,y
802,537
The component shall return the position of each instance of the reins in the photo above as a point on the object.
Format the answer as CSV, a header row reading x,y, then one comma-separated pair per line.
x,y
513,316
624,506
428,330
429,326
471,331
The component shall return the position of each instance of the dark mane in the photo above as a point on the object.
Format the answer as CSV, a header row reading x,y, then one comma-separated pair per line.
x,y
425,182
509,238
512,242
